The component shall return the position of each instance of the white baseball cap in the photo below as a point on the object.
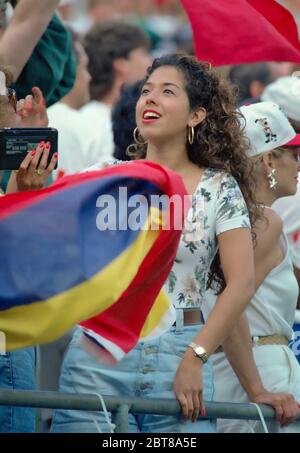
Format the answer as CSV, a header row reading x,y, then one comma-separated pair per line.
x,y
266,127
285,91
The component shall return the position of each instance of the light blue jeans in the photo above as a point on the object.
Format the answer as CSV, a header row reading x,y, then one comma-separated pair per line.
x,y
148,371
17,371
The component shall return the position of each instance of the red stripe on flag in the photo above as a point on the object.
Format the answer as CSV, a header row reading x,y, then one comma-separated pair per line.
x,y
15,202
137,300
237,31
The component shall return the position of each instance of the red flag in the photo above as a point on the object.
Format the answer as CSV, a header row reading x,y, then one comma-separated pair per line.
x,y
245,31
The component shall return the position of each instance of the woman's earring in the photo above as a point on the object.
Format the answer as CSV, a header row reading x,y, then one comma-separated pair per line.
x,y
272,179
139,140
191,135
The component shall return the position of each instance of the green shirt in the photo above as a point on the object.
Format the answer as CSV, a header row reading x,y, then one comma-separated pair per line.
x,y
52,65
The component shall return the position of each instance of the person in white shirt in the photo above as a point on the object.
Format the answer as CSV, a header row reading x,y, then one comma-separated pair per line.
x,y
271,310
118,55
66,117
285,91
289,210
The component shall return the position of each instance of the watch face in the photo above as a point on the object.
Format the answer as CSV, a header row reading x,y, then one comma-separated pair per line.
x,y
199,350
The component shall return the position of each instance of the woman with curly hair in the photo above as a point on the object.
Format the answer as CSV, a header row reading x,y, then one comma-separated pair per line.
x,y
186,121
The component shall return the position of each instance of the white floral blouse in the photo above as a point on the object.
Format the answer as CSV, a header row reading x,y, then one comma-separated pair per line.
x,y
217,206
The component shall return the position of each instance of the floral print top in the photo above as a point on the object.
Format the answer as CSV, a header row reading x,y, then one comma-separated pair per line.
x,y
217,206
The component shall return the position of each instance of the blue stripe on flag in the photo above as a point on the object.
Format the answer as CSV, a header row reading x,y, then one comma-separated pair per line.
x,y
64,225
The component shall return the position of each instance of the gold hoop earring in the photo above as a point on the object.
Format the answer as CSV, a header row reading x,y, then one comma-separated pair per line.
x,y
137,137
191,135
272,179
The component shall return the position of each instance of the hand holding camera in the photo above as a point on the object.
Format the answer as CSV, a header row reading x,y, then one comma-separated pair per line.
x,y
34,170
16,143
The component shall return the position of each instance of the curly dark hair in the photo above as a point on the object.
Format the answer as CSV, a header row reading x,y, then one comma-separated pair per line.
x,y
220,141
104,43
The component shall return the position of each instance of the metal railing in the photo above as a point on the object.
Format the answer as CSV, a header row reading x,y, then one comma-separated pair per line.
x,y
122,406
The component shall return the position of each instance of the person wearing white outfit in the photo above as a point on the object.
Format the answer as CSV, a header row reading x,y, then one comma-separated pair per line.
x,y
118,55
66,117
289,210
271,311
285,92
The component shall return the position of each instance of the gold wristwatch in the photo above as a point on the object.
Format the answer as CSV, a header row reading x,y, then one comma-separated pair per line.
x,y
199,351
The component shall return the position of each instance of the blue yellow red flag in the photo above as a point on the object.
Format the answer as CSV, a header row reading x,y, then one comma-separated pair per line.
x,y
81,251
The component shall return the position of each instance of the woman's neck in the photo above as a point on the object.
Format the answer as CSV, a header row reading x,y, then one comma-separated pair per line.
x,y
264,195
170,155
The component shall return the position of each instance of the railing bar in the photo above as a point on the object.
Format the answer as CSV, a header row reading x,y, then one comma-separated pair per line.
x,y
89,402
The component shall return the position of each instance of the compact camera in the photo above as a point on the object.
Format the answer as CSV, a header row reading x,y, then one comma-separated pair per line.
x,y
15,143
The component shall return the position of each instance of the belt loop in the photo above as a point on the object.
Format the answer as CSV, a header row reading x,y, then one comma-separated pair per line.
x,y
255,340
179,320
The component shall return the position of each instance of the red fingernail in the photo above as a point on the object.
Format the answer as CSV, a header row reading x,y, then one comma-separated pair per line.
x,y
42,143
48,145
203,412
32,153
55,155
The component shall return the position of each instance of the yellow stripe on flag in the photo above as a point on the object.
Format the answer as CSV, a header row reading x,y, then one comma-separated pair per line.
x,y
45,321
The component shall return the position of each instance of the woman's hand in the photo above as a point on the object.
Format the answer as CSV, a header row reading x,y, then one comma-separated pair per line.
x,y
33,171
188,386
32,110
285,405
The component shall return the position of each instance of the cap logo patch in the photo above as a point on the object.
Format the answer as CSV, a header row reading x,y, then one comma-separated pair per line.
x,y
270,137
